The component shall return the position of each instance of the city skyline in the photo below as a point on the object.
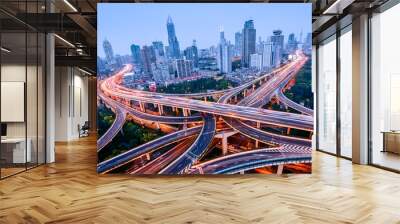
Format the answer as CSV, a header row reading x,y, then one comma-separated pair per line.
x,y
155,28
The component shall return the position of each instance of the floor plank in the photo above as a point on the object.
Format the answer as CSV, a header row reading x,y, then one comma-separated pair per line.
x,y
70,191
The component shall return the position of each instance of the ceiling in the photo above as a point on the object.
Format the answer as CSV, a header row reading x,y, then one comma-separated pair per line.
x,y
75,21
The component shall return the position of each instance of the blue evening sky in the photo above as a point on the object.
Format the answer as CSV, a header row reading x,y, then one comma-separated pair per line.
x,y
141,23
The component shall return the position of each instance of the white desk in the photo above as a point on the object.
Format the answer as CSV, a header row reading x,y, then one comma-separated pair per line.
x,y
19,155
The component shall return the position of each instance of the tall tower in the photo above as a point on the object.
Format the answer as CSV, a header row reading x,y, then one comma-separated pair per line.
x,y
136,57
277,38
191,53
148,57
249,42
108,51
224,54
291,44
172,40
238,43
271,55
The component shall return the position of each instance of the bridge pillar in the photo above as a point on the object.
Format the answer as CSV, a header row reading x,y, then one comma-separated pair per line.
x,y
280,169
258,142
254,87
236,98
224,145
142,106
261,81
241,172
158,125
148,156
244,92
205,99
160,109
277,100
288,131
200,170
186,112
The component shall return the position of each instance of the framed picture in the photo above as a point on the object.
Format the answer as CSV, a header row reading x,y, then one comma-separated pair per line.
x,y
204,88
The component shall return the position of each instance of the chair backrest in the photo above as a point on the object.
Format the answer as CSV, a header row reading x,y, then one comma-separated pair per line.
x,y
86,125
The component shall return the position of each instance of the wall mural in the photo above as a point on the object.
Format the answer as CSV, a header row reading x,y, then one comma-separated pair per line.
x,y
204,88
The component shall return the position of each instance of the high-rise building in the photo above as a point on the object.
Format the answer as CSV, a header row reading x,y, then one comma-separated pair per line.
x,y
191,53
238,44
256,61
278,39
183,68
148,57
204,53
292,44
172,40
136,58
101,64
160,72
213,51
259,46
224,54
167,52
307,45
108,51
158,47
248,42
271,56
159,53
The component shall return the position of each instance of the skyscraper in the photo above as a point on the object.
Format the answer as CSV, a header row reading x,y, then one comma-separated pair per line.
x,y
172,40
256,61
292,44
160,72
191,53
224,54
277,38
238,44
135,50
307,45
148,57
249,42
271,55
259,46
183,68
158,47
108,51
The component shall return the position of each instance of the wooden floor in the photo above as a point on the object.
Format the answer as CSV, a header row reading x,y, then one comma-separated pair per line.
x,y
70,191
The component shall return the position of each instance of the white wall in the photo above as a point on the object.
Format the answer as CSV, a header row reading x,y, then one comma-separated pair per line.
x,y
33,127
71,102
12,73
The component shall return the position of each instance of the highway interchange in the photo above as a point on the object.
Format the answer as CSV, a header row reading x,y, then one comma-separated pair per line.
x,y
240,108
